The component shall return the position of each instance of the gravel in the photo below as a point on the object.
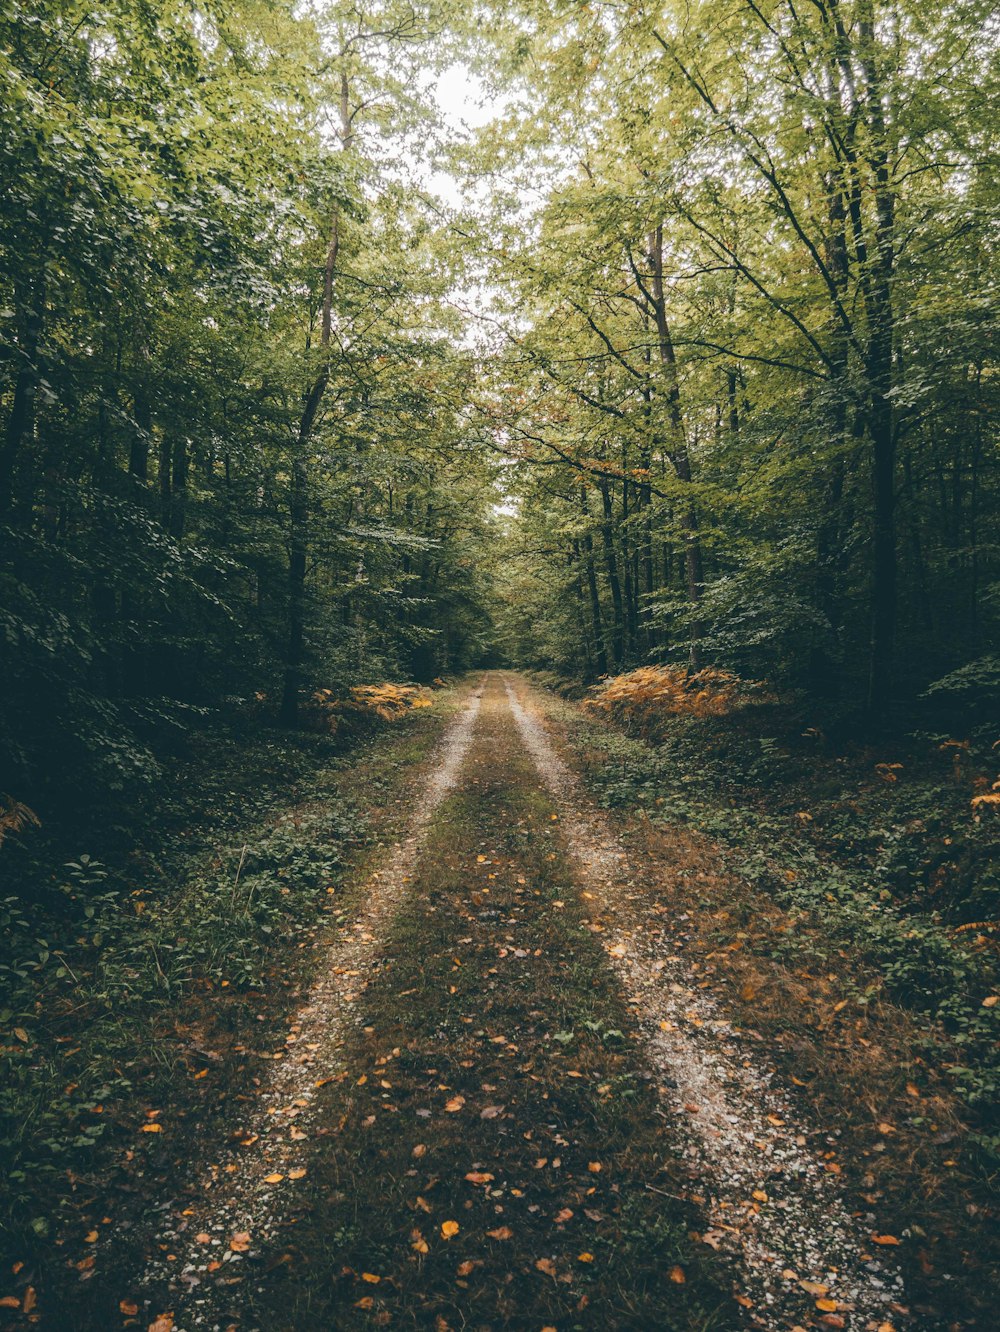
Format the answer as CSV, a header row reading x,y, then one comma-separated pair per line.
x,y
770,1198
275,1133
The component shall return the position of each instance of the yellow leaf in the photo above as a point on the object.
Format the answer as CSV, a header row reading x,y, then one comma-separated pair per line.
x,y
455,1104
814,1287
298,1173
885,1239
371,1278
501,1233
273,1179
240,1242
584,1257
677,1276
827,1306
152,1128
449,1229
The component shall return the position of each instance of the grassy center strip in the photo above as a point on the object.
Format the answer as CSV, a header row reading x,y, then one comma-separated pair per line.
x,y
495,1154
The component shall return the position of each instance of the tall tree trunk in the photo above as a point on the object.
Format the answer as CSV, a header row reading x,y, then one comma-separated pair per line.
x,y
576,560
611,565
21,422
298,503
179,487
596,618
677,450
880,382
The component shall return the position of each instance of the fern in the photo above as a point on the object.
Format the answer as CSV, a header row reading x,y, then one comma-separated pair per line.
x,y
15,817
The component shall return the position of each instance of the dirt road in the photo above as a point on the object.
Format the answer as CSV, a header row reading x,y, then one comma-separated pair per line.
x,y
512,1102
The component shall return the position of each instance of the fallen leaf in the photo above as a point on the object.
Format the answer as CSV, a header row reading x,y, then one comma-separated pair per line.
x,y
9,1302
449,1229
827,1306
479,1177
677,1276
240,1242
128,1307
90,1237
366,1302
164,1323
547,1266
490,1111
501,1233
991,1001
455,1104
371,1278
814,1287
885,1239
594,1167
564,1215
584,1257
298,1173
760,1195
464,1269
203,1238
419,1150
152,1128
276,1178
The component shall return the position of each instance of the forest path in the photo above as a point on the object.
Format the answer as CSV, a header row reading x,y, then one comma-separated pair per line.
x,y
516,1105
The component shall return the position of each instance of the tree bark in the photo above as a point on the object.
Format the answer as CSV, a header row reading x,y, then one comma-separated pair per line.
x,y
21,422
677,450
298,504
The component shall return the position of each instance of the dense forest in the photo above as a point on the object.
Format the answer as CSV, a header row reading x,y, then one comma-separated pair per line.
x,y
349,348
732,400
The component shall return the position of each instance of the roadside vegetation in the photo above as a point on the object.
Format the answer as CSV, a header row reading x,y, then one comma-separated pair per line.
x,y
143,980
834,893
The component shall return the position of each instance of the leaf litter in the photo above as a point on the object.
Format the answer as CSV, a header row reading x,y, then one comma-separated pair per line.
x,y
242,1205
738,1130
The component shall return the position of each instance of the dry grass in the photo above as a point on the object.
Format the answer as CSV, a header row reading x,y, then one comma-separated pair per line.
x,y
329,712
645,699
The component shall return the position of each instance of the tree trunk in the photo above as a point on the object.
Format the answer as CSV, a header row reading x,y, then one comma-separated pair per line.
x,y
21,422
677,450
596,618
611,565
298,504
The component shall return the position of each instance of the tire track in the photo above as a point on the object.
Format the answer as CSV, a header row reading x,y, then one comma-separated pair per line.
x,y
771,1203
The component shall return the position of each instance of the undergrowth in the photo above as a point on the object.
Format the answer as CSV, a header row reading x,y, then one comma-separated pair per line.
x,y
104,957
890,859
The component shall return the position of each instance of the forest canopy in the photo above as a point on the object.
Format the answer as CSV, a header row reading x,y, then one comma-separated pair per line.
x,y
683,355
